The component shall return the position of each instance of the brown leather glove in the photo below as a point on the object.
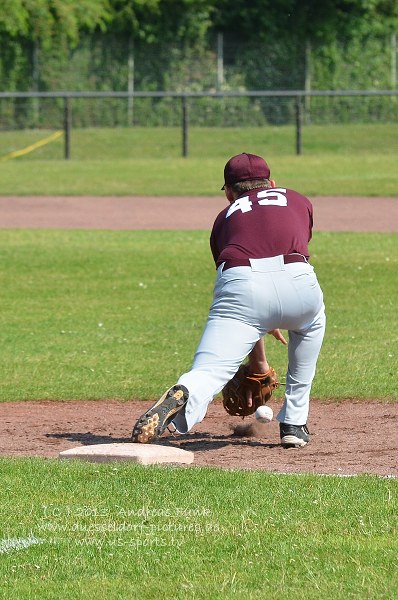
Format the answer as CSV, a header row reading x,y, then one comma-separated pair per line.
x,y
235,391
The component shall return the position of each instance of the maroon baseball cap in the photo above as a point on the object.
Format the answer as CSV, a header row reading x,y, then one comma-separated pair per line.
x,y
243,167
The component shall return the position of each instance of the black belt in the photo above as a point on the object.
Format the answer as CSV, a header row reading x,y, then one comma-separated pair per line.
x,y
245,262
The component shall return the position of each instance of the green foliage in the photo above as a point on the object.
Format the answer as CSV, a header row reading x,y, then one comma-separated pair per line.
x,y
13,17
359,64
167,45
303,19
158,21
46,20
37,35
241,112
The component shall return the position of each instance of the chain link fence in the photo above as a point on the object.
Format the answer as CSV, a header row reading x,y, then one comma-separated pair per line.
x,y
106,63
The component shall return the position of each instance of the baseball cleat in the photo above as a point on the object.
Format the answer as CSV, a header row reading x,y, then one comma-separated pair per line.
x,y
153,423
294,436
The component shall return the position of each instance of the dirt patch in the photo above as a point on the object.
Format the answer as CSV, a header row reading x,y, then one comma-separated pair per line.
x,y
347,437
115,212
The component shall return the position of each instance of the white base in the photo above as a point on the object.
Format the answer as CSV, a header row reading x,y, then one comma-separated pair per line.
x,y
144,454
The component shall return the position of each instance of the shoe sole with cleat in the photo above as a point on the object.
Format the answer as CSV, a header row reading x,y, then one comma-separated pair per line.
x,y
153,423
291,441
294,436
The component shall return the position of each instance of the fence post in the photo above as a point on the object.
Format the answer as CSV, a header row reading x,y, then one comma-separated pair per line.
x,y
220,61
393,61
307,82
299,124
67,126
130,82
184,126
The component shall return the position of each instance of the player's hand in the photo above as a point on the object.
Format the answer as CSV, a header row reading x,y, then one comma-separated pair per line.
x,y
278,335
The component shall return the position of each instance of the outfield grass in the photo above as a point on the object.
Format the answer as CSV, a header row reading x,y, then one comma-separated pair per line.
x,y
138,143
336,160
124,531
104,314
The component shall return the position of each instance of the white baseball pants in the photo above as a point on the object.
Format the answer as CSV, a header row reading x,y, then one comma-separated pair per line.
x,y
248,302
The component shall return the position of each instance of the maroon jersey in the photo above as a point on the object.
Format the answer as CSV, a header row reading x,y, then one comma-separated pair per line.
x,y
263,223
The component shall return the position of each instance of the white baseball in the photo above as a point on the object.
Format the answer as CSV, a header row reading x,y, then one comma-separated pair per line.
x,y
264,414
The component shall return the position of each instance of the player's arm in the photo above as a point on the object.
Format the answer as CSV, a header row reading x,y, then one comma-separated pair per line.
x,y
257,358
258,363
278,335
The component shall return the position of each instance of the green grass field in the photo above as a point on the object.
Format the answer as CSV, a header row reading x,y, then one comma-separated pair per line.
x,y
337,160
102,314
81,318
118,531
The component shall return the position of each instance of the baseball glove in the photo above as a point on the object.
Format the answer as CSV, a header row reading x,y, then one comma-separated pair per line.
x,y
235,391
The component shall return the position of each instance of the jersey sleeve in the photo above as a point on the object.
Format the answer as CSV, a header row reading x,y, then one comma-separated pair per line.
x,y
213,246
311,220
215,235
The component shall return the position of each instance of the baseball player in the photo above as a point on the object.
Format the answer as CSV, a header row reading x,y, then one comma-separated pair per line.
x,y
264,283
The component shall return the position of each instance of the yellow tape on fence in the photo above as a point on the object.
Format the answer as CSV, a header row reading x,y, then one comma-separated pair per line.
x,y
39,144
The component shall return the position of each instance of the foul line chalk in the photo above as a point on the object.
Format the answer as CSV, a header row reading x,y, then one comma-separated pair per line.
x,y
39,144
9,544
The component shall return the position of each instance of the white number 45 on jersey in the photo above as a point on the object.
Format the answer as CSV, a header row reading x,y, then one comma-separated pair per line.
x,y
271,197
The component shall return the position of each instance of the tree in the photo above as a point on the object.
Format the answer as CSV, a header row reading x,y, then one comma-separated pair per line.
x,y
161,21
45,20
320,20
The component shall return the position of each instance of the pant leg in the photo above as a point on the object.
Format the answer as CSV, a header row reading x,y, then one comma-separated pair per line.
x,y
246,304
303,351
224,345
